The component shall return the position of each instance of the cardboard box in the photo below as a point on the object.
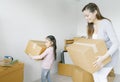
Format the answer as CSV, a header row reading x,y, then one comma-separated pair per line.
x,y
14,73
35,47
79,75
84,52
76,38
65,69
111,76
67,42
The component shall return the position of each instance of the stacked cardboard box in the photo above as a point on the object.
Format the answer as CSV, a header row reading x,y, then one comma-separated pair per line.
x,y
35,47
111,76
67,42
80,75
65,69
14,73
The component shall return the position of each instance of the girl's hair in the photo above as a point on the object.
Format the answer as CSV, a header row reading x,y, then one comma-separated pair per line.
x,y
52,38
92,7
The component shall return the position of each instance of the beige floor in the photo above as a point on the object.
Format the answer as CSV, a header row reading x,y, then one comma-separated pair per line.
x,y
61,78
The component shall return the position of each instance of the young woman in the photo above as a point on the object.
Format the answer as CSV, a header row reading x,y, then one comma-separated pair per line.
x,y
100,27
48,56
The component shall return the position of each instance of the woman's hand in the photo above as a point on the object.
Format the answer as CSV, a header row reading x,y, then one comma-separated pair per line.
x,y
99,62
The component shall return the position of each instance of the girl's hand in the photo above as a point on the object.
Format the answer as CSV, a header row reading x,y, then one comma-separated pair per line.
x,y
32,57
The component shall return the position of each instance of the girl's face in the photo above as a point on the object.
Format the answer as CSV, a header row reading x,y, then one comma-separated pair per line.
x,y
90,16
48,43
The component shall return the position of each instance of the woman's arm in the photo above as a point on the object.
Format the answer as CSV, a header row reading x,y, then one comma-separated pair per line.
x,y
113,38
113,48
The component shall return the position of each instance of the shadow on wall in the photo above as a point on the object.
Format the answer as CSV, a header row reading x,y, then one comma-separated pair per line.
x,y
27,71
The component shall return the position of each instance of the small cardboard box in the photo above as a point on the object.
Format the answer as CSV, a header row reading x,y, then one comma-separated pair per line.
x,y
35,47
65,69
14,73
84,52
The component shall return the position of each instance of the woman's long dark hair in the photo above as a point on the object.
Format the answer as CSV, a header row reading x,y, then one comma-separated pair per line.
x,y
52,38
92,7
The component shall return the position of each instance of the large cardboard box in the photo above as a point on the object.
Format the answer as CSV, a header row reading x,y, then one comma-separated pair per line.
x,y
65,69
13,73
35,47
84,52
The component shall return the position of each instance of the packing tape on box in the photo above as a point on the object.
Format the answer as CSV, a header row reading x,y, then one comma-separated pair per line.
x,y
87,44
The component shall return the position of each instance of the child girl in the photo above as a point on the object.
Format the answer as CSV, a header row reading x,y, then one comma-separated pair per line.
x,y
48,56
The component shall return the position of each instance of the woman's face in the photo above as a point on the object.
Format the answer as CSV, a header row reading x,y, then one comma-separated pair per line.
x,y
90,16
48,43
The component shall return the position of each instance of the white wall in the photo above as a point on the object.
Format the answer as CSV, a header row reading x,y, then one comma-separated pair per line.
x,y
109,9
23,20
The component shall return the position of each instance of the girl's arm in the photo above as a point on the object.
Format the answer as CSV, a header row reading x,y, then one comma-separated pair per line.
x,y
40,56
